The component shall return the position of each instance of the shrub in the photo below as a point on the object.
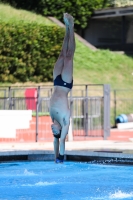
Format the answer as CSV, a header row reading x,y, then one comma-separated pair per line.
x,y
28,51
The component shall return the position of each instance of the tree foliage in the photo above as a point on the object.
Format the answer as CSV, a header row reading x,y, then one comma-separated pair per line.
x,y
80,9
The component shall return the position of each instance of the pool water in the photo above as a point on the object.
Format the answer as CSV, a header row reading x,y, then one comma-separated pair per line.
x,y
68,181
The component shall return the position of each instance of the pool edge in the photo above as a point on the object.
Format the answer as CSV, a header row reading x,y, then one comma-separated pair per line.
x,y
117,157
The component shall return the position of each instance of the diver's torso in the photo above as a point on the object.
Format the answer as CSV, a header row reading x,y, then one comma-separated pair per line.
x,y
59,105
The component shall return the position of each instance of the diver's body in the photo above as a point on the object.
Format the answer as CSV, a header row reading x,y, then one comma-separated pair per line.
x,y
63,82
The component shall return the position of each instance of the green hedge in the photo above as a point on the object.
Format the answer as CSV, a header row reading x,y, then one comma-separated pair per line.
x,y
28,51
80,9
41,114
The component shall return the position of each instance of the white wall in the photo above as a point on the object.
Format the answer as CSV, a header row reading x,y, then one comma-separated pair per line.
x,y
10,120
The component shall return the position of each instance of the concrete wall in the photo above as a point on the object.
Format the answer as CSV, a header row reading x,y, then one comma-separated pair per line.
x,y
104,31
107,32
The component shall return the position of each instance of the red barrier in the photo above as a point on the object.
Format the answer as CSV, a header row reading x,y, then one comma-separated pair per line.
x,y
31,98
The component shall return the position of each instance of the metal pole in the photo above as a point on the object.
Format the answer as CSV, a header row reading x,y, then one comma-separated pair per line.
x,y
71,104
106,125
115,107
86,111
70,132
51,91
37,106
4,99
10,100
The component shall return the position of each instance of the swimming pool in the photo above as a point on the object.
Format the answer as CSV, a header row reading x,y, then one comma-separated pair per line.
x,y
68,181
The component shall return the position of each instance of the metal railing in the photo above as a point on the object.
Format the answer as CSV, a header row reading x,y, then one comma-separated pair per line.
x,y
88,105
121,99
87,116
121,103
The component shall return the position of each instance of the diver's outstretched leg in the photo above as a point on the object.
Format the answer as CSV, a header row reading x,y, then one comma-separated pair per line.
x,y
67,72
56,147
60,62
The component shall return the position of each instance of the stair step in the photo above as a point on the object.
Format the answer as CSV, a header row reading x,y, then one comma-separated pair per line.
x,y
80,138
118,138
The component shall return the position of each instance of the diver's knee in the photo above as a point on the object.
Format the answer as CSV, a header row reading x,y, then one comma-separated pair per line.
x,y
62,140
61,55
69,54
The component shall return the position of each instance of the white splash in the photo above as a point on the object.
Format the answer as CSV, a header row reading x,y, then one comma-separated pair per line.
x,y
94,198
117,195
40,184
120,195
45,183
26,172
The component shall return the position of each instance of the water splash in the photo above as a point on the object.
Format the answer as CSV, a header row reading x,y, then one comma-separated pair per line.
x,y
40,184
94,198
26,172
45,183
117,195
120,195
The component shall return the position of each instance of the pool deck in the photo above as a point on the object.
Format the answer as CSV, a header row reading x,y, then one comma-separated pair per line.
x,y
100,150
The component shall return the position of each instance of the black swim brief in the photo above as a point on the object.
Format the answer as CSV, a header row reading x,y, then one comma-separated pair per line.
x,y
59,82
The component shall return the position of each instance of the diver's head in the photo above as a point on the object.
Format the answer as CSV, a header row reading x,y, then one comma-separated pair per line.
x,y
56,130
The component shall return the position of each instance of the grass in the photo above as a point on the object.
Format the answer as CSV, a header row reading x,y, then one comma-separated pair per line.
x,y
10,14
40,114
90,67
102,66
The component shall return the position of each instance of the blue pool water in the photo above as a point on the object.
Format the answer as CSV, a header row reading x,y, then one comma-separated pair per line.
x,y
68,181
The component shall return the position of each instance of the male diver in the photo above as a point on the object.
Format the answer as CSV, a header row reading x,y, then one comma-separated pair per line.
x,y
63,82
